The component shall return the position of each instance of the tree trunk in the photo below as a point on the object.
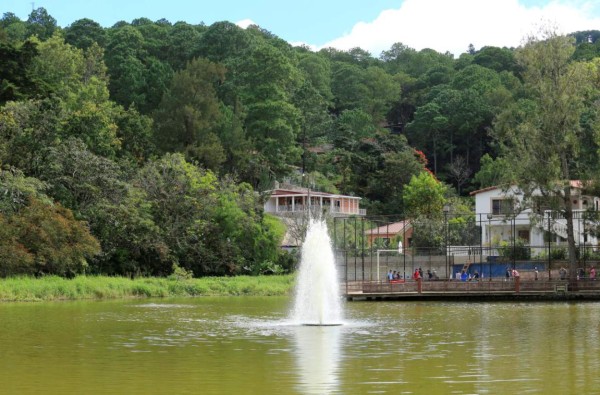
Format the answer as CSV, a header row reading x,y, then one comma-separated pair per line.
x,y
568,213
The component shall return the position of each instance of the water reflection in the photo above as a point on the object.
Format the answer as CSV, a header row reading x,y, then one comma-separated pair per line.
x,y
245,345
317,351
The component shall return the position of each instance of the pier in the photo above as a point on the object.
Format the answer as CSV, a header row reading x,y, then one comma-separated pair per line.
x,y
495,289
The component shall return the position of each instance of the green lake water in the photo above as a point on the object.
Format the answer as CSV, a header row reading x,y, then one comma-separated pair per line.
x,y
245,345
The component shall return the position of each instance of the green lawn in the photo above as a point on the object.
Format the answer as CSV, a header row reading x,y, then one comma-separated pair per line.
x,y
102,287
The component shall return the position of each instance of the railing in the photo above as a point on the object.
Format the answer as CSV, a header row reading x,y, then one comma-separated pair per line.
x,y
484,287
301,208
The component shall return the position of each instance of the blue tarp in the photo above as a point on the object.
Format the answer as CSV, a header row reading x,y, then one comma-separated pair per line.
x,y
498,269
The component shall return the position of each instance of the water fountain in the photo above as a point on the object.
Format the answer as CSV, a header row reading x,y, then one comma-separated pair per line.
x,y
317,300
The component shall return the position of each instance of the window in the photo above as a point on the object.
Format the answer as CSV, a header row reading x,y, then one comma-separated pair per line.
x,y
502,206
523,235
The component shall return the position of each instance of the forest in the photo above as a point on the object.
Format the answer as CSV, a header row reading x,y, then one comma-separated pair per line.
x,y
148,146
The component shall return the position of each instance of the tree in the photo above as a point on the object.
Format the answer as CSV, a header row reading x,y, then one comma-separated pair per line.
x,y
136,77
58,66
181,197
541,136
59,243
15,30
27,130
459,171
15,81
492,171
427,128
189,112
41,24
267,78
84,32
38,235
424,196
182,45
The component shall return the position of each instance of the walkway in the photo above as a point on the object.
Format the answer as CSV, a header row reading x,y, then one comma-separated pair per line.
x,y
495,289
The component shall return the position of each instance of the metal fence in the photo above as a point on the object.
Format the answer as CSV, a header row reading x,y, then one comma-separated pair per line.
x,y
367,248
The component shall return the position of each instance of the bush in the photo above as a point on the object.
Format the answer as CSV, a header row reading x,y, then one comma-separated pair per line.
x,y
558,253
517,252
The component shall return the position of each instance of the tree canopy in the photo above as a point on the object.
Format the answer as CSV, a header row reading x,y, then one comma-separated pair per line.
x,y
158,138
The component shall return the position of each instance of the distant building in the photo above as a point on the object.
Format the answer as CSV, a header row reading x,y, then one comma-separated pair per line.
x,y
495,208
292,204
388,232
299,200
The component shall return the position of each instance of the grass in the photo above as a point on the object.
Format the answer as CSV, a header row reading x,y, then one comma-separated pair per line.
x,y
103,287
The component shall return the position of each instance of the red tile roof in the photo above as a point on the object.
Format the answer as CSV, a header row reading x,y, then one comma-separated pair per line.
x,y
305,192
393,228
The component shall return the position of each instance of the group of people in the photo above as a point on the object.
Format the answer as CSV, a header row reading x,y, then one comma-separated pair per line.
x,y
394,275
562,272
465,276
514,273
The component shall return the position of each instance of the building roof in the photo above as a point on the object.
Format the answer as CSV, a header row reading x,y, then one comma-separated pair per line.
x,y
307,191
574,184
393,228
483,190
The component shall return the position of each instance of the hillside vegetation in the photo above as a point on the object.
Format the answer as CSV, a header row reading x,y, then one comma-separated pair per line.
x,y
145,147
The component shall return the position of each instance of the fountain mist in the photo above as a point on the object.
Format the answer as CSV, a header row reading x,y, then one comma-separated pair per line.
x,y
318,290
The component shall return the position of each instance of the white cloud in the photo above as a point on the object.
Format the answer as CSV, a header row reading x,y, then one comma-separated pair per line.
x,y
244,23
446,25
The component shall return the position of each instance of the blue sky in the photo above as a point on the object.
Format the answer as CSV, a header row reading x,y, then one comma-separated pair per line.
x,y
374,25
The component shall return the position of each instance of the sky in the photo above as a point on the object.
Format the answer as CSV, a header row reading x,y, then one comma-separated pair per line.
x,y
373,25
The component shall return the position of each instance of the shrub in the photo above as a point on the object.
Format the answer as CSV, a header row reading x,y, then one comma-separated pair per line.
x,y
518,252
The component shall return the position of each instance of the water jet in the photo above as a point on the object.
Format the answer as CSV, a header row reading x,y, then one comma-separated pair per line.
x,y
317,299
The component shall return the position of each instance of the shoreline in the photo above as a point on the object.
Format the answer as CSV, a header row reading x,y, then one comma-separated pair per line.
x,y
54,288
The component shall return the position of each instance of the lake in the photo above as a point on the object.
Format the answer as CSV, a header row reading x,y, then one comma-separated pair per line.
x,y
245,345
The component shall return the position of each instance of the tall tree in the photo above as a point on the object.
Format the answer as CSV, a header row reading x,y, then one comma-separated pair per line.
x,y
189,112
41,24
84,32
542,135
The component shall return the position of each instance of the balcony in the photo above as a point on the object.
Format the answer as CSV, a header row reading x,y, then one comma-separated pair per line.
x,y
301,208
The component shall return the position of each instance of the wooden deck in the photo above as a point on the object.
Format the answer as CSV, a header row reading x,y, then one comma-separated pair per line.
x,y
514,289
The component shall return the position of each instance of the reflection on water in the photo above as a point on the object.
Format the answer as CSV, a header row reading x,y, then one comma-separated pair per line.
x,y
317,352
247,346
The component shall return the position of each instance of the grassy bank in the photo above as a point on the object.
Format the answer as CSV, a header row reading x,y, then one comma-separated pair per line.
x,y
100,287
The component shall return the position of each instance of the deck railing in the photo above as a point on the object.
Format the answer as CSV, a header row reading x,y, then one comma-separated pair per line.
x,y
483,288
302,208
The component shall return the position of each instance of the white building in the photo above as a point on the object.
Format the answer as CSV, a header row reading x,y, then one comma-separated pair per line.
x,y
497,210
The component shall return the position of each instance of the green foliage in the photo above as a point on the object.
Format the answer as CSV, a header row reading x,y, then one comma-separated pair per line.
x,y
41,24
557,253
181,196
518,251
99,287
15,81
189,112
493,172
16,190
83,33
45,239
424,196
27,129
542,136
233,110
58,66
180,273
